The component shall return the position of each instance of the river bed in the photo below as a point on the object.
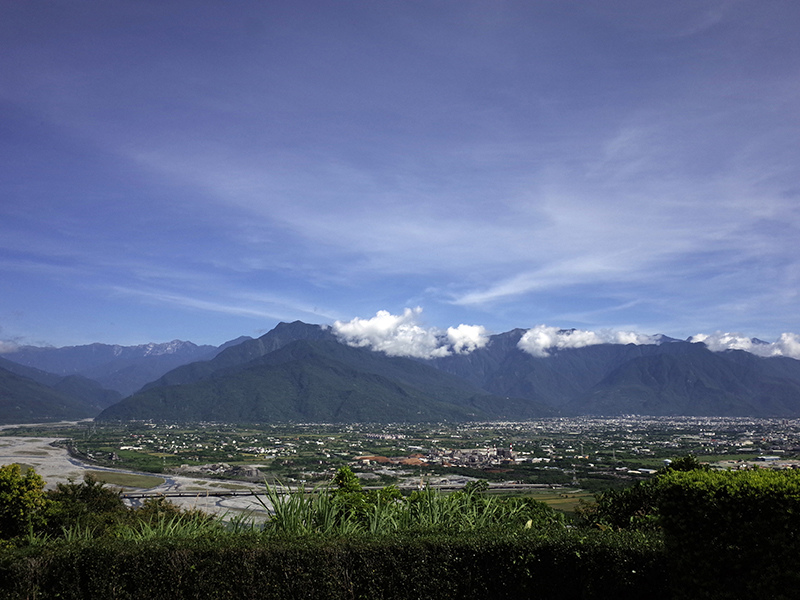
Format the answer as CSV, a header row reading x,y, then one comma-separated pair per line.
x,y
55,465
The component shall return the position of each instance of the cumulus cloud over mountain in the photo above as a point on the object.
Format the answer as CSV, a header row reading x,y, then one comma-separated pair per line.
x,y
402,335
540,340
788,344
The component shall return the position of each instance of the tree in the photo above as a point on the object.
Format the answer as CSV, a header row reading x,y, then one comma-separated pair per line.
x,y
634,507
479,486
87,504
22,501
685,464
346,481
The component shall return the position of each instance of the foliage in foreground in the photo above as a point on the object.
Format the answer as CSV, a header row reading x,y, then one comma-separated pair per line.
x,y
733,534
525,564
90,510
347,509
686,533
87,510
635,507
728,534
22,501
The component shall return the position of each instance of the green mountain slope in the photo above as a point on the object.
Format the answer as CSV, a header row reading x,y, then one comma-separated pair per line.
x,y
302,372
695,382
23,400
29,395
671,378
317,380
240,354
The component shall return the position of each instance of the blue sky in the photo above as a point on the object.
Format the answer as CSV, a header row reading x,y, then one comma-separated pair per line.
x,y
203,170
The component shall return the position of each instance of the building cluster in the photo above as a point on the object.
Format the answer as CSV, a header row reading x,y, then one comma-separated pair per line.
x,y
475,457
243,472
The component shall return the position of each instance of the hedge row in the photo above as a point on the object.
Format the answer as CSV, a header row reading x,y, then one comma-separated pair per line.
x,y
725,536
561,566
733,534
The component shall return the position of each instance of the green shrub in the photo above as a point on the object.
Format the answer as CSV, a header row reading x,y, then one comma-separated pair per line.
x,y
564,566
634,507
733,534
22,501
88,505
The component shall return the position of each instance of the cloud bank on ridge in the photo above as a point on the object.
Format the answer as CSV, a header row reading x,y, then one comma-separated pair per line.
x,y
402,335
540,340
788,344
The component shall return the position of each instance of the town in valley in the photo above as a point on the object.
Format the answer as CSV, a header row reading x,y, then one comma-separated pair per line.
x,y
565,457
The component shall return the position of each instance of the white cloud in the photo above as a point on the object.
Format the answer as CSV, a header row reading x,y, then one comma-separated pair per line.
x,y
402,335
258,305
788,344
466,338
540,340
7,347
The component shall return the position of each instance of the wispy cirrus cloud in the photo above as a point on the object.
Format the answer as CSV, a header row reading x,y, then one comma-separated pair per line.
x,y
528,163
265,307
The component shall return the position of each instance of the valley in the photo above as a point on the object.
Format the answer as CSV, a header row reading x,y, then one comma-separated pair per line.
x,y
557,460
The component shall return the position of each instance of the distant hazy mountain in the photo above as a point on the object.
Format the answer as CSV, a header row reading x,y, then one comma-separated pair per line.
x,y
303,372
28,395
121,368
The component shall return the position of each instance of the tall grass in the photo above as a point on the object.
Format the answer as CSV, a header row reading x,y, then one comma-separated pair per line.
x,y
300,513
169,526
77,533
340,511
460,511
327,512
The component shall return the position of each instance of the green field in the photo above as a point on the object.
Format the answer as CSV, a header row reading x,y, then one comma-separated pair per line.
x,y
712,458
127,479
564,501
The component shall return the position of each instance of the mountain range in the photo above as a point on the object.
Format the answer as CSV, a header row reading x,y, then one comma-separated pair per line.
x,y
302,372
124,369
29,395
